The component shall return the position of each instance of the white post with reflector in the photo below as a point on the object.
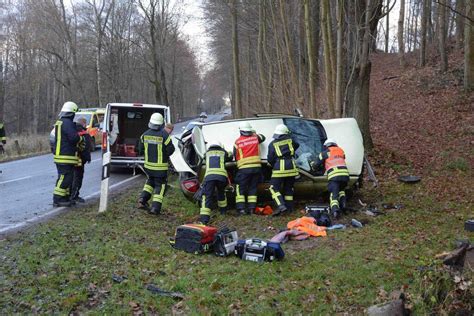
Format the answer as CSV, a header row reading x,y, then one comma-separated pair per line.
x,y
104,186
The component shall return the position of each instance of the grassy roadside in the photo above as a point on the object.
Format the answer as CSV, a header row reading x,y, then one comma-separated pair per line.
x,y
66,265
28,146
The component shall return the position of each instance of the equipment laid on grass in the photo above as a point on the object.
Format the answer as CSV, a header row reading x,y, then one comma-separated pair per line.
x,y
194,238
258,250
320,213
225,242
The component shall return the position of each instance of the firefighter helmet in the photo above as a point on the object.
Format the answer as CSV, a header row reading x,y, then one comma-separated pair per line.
x,y
330,142
245,127
214,143
156,121
69,109
281,129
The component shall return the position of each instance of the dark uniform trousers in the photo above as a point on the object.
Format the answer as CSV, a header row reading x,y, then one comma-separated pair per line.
x,y
247,181
63,183
77,180
155,188
208,197
337,196
282,191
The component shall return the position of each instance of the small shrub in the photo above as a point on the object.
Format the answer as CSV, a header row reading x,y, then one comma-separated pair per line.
x,y
27,145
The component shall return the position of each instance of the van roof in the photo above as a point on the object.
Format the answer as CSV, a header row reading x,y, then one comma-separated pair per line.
x,y
138,105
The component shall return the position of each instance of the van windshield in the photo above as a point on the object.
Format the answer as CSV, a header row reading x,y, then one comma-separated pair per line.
x,y
310,135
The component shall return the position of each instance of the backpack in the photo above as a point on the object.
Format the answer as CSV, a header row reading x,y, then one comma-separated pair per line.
x,y
194,238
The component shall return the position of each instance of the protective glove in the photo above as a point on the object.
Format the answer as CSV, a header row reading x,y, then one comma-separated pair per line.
x,y
4,142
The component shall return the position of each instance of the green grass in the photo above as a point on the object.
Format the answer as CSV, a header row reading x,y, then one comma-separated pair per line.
x,y
66,265
458,163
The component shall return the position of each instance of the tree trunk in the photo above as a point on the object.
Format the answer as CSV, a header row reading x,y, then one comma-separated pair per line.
x,y
260,53
235,61
339,58
401,45
387,27
311,59
328,67
469,47
424,26
460,7
442,35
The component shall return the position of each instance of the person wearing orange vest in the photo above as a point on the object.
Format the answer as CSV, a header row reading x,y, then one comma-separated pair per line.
x,y
334,160
249,166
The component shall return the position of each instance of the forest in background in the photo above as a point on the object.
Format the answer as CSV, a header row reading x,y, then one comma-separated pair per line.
x,y
268,56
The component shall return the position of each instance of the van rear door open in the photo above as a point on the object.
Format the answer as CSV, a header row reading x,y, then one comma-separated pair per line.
x,y
124,123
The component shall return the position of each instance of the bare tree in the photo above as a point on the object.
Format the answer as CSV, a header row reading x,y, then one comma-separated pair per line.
x,y
235,58
401,43
469,47
442,35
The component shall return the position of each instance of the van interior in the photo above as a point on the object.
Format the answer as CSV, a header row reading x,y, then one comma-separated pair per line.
x,y
131,123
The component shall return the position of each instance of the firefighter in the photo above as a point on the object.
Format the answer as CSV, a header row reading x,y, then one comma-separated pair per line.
x,y
3,138
281,153
334,160
249,166
216,178
157,146
66,142
84,157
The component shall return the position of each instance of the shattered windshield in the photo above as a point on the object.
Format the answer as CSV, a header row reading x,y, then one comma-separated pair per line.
x,y
310,135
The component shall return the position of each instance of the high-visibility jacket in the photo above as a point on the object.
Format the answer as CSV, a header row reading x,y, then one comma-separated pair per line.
x,y
247,151
308,225
334,160
281,153
157,147
216,157
3,137
66,140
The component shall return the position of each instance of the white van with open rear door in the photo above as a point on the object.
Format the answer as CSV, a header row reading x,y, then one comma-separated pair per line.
x,y
124,123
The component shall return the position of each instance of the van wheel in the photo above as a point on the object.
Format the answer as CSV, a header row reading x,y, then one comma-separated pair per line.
x,y
92,146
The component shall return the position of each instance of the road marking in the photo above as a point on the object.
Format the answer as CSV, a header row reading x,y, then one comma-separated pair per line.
x,y
96,159
19,179
59,209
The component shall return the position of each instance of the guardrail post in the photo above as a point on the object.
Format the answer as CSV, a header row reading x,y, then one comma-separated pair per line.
x,y
104,186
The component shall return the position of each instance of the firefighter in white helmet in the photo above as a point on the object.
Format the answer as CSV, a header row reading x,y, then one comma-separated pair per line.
x,y
157,147
65,148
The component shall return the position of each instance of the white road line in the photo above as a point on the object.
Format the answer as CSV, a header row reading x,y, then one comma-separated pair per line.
x,y
59,209
13,180
96,159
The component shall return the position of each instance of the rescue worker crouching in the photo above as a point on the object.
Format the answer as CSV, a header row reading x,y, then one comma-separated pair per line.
x,y
65,147
281,153
157,147
84,156
216,178
334,160
249,168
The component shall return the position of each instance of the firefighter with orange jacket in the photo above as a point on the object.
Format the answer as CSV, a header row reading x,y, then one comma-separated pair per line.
x,y
249,168
334,160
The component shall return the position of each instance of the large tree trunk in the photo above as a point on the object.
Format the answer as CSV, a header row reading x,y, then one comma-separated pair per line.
x,y
312,58
326,30
469,47
401,45
260,53
460,7
442,35
235,61
339,58
424,27
387,27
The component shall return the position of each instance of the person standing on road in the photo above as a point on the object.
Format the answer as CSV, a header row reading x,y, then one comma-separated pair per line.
x,y
249,166
157,146
281,153
65,147
84,157
3,138
334,160
214,179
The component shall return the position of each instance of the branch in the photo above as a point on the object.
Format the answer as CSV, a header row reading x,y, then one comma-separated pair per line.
x,y
455,11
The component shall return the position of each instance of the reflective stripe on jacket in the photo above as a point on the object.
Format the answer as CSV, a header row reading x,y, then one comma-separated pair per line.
x,y
247,151
334,162
216,158
65,142
158,147
281,152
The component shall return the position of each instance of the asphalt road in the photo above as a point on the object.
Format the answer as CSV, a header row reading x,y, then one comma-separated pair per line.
x,y
26,186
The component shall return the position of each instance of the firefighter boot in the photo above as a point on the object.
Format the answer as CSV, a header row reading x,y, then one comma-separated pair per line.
x,y
336,212
280,209
143,205
155,209
204,219
223,210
